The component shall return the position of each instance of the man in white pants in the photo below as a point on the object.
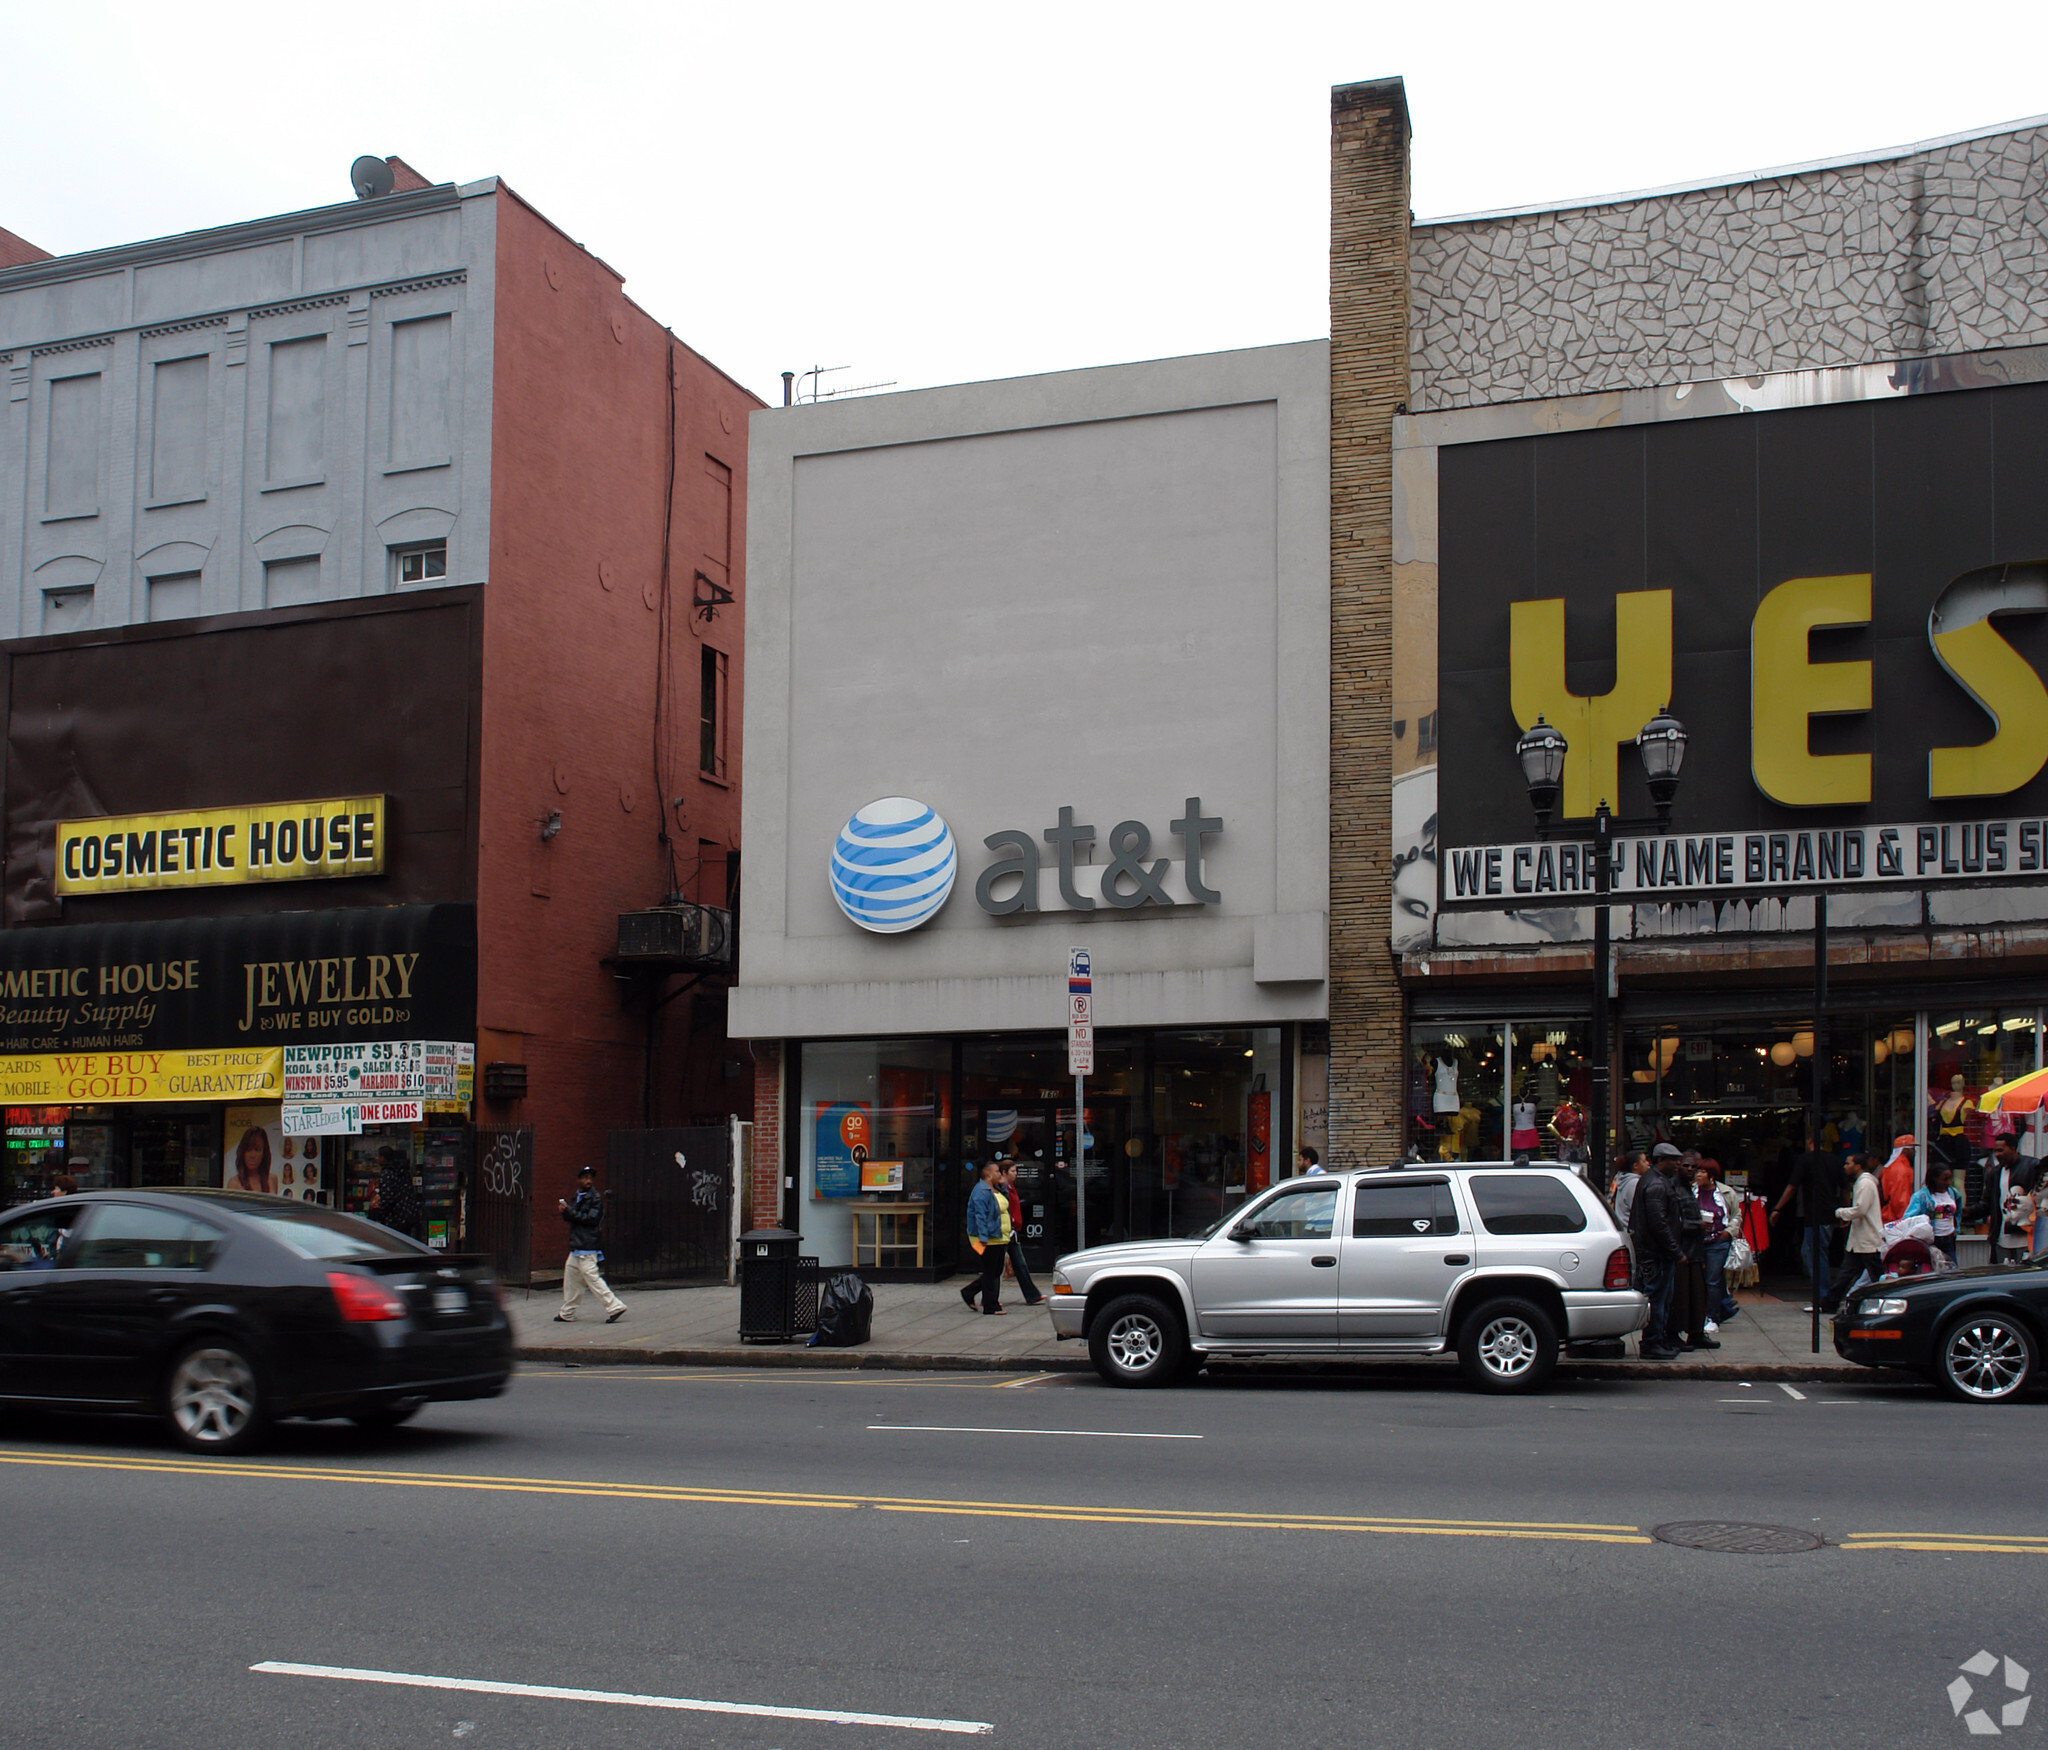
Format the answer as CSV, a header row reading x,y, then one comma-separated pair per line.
x,y
585,1216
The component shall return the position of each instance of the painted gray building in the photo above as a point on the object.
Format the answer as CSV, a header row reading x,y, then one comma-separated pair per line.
x,y
291,410
1097,599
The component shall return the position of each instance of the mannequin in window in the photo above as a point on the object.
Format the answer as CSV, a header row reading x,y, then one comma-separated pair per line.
x,y
1445,1099
1523,1137
1568,1125
1951,1115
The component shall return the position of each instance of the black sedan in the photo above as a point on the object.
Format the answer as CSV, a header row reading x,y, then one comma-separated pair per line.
x,y
225,1312
1979,1334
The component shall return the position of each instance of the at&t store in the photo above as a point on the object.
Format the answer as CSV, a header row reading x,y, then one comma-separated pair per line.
x,y
1035,665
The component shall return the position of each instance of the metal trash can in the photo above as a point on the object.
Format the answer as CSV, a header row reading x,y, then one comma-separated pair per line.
x,y
810,1282
768,1273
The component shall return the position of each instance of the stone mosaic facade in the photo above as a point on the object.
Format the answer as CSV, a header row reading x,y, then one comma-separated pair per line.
x,y
1938,250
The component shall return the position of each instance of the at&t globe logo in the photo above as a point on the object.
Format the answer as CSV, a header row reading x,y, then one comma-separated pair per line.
x,y
893,865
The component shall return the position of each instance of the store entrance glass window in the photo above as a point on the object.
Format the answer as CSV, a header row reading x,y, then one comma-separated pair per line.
x,y
872,1132
1213,1133
1455,1083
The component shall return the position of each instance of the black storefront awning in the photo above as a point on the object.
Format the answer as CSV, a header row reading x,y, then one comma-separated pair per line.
x,y
278,978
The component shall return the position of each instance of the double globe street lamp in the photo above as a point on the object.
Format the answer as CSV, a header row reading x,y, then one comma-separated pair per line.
x,y
1540,752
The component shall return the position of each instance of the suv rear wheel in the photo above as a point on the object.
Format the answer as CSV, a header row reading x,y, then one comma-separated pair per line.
x,y
1507,1346
1137,1340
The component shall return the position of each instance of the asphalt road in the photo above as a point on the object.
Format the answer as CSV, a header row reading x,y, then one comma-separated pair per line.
x,y
1344,1562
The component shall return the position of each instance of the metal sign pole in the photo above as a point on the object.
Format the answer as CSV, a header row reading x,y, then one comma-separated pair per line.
x,y
1080,1062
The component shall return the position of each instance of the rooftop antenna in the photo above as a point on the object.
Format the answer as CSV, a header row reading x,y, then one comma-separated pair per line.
x,y
371,177
820,393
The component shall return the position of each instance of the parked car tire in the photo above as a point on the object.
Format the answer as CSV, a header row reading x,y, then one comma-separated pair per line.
x,y
213,1398
389,1415
1137,1340
1507,1346
1985,1358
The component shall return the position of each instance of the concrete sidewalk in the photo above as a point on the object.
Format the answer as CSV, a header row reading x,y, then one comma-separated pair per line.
x,y
924,1325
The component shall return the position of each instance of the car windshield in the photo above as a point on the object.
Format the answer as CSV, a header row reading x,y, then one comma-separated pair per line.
x,y
327,1234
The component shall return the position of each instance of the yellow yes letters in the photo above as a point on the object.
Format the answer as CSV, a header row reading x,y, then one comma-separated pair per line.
x,y
1593,728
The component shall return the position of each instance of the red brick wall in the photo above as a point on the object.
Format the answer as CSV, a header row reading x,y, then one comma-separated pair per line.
x,y
764,1171
573,672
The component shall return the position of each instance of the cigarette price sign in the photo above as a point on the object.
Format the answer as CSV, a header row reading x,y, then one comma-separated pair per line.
x,y
1080,1012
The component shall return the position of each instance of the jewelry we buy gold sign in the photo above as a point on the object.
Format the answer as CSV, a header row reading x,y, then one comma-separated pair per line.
x,y
221,847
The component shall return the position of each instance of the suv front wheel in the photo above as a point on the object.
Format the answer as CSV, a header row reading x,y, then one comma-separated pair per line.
x,y
1137,1340
1507,1346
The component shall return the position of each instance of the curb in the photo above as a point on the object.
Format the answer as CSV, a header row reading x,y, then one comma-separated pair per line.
x,y
900,1361
844,1360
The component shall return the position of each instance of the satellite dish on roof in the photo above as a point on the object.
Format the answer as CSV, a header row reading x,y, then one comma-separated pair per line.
x,y
371,177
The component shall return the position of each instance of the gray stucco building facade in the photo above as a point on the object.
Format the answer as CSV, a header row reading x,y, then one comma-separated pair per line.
x,y
1094,600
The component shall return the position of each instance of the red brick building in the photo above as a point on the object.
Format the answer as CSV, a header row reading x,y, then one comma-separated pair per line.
x,y
478,517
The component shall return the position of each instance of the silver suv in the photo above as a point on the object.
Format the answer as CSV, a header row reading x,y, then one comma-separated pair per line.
x,y
1497,1262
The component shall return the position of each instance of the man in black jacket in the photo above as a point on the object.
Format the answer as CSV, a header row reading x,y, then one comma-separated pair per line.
x,y
1653,1225
585,1217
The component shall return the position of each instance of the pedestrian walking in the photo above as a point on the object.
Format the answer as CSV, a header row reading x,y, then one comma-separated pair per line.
x,y
1719,1219
393,1200
1022,1270
1815,1188
1306,1160
1895,1181
988,1232
1938,1201
586,1222
2009,1181
1864,1212
1653,1225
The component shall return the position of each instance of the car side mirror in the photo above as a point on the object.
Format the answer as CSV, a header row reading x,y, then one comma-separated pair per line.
x,y
1246,1234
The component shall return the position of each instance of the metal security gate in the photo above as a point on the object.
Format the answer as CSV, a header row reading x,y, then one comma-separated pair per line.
x,y
668,1204
501,1205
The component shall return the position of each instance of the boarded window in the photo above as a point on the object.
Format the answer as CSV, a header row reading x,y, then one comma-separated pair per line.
x,y
177,432
718,526
420,358
67,610
174,598
287,582
298,410
71,484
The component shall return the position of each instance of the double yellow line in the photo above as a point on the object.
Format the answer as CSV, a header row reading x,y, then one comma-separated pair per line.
x,y
1559,1532
1544,1531
1948,1543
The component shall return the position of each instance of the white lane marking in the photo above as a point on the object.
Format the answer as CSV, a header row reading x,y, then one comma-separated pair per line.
x,y
1072,1433
619,1698
1028,1379
1790,1393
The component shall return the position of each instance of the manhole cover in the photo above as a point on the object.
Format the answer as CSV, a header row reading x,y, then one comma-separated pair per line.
x,y
1736,1539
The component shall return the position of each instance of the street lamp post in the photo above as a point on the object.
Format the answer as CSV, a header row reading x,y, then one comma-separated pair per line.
x,y
1540,752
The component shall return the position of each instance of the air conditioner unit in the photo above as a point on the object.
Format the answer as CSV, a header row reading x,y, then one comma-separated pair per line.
x,y
689,937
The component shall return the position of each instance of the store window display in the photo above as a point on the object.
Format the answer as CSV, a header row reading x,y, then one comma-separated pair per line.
x,y
1455,1104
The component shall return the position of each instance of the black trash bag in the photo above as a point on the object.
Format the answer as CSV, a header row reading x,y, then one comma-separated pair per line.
x,y
846,1305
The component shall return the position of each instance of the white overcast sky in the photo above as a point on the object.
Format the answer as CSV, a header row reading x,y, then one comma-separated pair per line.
x,y
936,193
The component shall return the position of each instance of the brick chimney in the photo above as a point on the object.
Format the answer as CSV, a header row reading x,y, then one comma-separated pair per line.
x,y
404,178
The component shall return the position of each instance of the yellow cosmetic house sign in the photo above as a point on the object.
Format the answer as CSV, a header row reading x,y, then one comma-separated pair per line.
x,y
222,847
